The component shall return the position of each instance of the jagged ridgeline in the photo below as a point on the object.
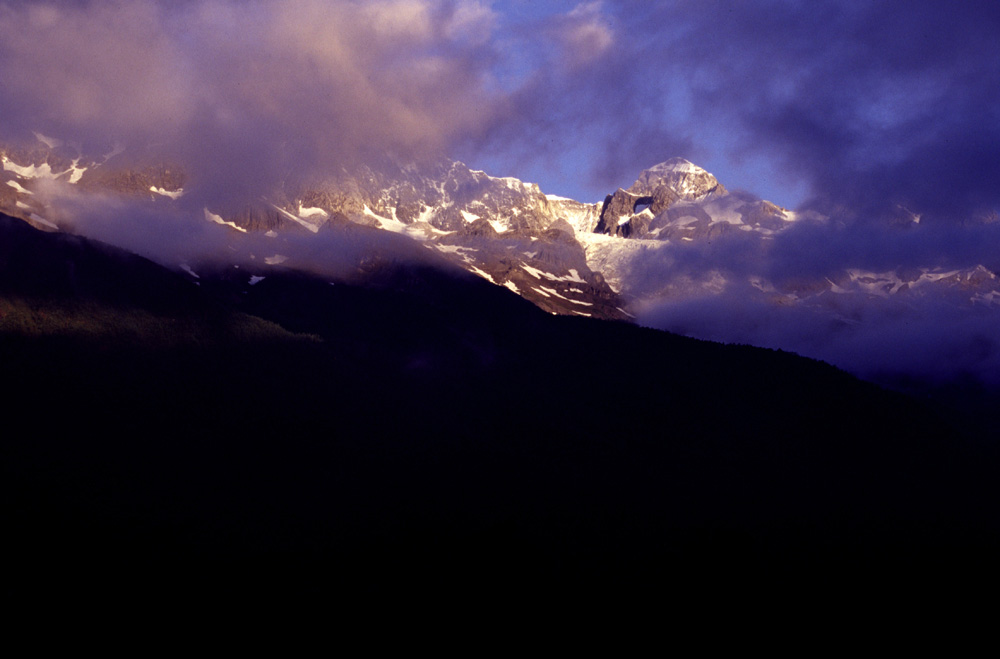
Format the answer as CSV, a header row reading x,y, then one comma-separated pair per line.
x,y
604,260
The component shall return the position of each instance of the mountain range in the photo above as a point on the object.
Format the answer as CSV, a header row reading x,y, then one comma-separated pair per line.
x,y
603,260
421,376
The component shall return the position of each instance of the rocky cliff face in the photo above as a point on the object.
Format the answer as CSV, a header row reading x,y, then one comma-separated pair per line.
x,y
502,229
565,256
629,213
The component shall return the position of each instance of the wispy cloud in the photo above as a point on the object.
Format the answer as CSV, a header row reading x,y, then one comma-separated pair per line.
x,y
247,94
862,106
865,110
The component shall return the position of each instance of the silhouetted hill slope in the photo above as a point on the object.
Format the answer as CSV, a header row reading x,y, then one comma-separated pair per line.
x,y
61,266
431,428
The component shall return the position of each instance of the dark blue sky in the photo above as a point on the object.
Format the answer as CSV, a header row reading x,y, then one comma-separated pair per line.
x,y
840,101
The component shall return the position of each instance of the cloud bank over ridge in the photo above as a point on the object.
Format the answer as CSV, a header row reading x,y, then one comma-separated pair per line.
x,y
856,108
867,112
247,94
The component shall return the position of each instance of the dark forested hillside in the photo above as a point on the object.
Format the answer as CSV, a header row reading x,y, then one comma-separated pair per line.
x,y
428,426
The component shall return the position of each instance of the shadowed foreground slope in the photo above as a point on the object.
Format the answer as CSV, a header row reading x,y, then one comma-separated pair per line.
x,y
429,428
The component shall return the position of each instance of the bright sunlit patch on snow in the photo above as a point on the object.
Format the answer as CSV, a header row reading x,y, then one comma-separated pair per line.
x,y
212,217
298,220
173,194
484,275
391,223
573,275
42,220
426,213
512,286
879,284
17,186
254,280
186,268
936,276
75,172
43,171
554,293
312,211
457,250
277,259
454,249
29,171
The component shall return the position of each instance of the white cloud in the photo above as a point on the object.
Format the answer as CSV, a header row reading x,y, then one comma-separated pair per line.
x,y
585,33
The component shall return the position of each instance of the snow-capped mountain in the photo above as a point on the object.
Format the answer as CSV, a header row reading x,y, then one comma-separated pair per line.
x,y
501,229
650,242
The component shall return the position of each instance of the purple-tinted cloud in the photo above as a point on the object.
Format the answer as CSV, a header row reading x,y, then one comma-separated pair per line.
x,y
865,106
248,94
177,235
872,104
870,111
875,103
927,339
858,106
878,112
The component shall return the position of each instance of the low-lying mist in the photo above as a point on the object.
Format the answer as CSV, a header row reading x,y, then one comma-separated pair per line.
x,y
177,235
876,339
792,291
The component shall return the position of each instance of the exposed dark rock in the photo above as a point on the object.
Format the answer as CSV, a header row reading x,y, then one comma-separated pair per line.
x,y
481,228
618,210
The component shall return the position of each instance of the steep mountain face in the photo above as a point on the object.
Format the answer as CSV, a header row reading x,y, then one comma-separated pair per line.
x,y
602,260
501,229
628,213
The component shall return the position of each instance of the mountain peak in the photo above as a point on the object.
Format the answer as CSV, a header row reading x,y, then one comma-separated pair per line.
x,y
677,165
687,180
